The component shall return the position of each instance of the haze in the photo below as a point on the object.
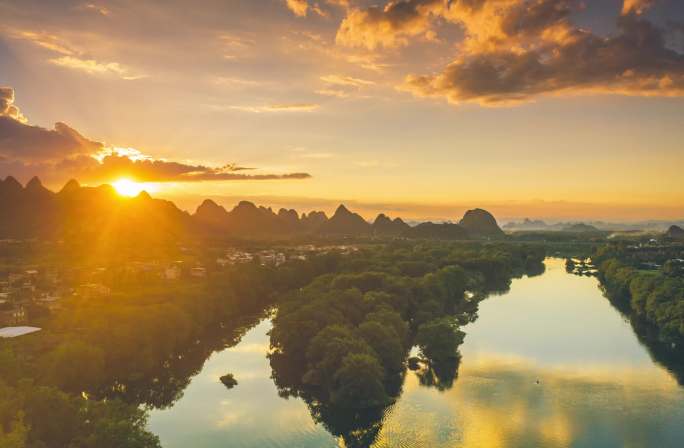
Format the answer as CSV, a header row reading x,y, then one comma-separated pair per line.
x,y
551,109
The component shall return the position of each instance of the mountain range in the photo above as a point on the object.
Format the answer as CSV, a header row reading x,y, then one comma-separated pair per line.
x,y
590,226
100,214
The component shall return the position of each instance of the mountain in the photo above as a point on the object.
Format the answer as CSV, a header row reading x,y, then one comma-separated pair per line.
x,y
313,221
246,220
527,224
675,233
384,226
430,230
99,218
344,222
86,214
210,216
580,227
481,224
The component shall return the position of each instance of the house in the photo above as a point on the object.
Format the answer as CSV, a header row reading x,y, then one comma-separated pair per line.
x,y
92,290
198,272
174,271
14,332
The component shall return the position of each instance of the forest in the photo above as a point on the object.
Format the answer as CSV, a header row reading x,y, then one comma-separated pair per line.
x,y
342,343
653,295
87,378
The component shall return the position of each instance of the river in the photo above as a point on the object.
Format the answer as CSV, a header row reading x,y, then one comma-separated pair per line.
x,y
548,364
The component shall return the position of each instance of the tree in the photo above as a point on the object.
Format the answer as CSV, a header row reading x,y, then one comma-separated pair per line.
x,y
439,339
327,351
358,383
76,366
385,342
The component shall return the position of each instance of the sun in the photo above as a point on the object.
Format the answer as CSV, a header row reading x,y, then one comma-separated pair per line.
x,y
127,187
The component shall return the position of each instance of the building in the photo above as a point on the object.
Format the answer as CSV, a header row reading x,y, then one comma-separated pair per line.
x,y
198,272
14,332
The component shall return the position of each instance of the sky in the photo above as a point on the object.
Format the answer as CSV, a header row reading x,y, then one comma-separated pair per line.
x,y
555,109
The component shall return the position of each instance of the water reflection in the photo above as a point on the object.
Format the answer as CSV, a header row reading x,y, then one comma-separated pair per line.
x,y
549,364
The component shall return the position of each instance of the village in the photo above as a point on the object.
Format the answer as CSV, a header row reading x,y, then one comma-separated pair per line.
x,y
30,292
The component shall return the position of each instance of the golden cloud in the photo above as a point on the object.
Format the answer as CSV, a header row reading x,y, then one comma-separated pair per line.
x,y
298,7
346,81
636,6
516,50
93,67
388,27
294,107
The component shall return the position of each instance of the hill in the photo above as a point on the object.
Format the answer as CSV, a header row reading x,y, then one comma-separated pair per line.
x,y
345,222
675,233
98,215
580,227
481,224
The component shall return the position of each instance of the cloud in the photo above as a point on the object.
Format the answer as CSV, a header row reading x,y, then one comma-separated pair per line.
x,y
233,82
333,92
530,49
61,153
151,170
298,7
636,6
98,9
44,40
25,142
346,81
272,108
391,26
93,67
7,107
72,58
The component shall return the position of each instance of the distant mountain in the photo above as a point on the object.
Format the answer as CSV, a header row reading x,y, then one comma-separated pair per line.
x,y
526,224
99,216
86,214
344,222
480,223
675,232
313,221
580,227
644,226
384,226
246,220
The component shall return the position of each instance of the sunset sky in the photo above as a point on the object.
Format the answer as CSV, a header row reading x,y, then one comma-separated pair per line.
x,y
558,109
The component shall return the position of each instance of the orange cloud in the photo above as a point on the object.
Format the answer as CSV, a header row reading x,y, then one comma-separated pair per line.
x,y
298,7
636,6
295,107
93,67
388,27
349,81
520,50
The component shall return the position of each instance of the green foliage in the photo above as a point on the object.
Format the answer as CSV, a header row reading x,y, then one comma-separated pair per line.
x,y
439,339
75,366
654,296
385,343
359,383
343,339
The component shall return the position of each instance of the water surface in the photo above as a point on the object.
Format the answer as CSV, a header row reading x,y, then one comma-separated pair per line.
x,y
549,364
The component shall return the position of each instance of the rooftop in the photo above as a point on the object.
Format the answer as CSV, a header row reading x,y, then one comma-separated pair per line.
x,y
13,332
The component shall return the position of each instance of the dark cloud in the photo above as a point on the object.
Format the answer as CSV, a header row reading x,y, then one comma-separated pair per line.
x,y
559,59
147,170
62,153
25,142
